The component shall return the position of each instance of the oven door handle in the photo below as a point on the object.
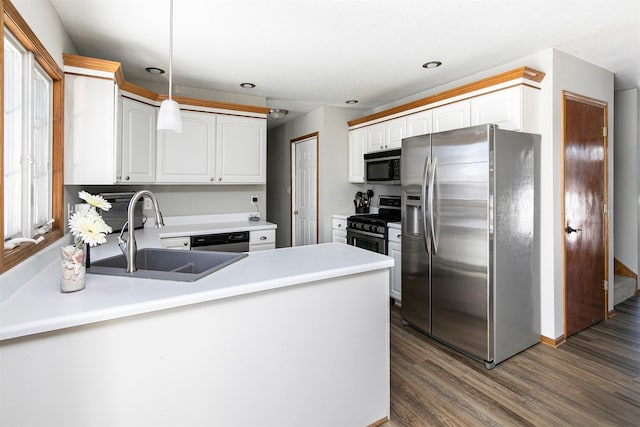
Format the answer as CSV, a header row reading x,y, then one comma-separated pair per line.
x,y
355,233
425,176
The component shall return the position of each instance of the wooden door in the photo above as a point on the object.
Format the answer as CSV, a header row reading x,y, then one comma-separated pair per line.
x,y
584,209
304,176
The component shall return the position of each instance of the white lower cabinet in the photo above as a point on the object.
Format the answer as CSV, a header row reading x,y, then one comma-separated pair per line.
x,y
339,228
261,240
395,251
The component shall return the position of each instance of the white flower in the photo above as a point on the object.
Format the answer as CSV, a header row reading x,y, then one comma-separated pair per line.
x,y
89,227
95,201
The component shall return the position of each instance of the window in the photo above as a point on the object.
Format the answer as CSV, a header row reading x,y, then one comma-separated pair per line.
x,y
32,192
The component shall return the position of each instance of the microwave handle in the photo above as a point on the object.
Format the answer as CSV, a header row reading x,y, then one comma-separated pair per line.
x,y
390,169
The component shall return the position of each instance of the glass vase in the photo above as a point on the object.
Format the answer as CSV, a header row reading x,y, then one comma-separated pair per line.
x,y
73,268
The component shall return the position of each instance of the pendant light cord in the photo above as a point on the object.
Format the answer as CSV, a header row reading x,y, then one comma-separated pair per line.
x,y
170,46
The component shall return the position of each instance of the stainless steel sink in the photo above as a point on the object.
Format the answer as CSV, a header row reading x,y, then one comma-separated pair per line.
x,y
167,264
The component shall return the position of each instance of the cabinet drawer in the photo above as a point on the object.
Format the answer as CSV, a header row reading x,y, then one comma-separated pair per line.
x,y
262,236
338,224
183,243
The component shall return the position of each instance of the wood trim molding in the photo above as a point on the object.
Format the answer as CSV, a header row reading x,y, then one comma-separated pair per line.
x,y
380,422
518,73
555,343
620,269
12,19
115,68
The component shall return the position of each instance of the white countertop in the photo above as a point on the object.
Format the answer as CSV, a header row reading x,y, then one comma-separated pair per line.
x,y
39,306
180,230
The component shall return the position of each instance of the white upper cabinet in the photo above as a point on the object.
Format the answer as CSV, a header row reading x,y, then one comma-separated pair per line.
x,y
394,131
188,157
138,142
111,137
452,116
375,137
357,147
91,137
241,150
515,108
419,123
213,149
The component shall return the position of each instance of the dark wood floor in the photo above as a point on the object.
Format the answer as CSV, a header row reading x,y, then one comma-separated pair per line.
x,y
591,380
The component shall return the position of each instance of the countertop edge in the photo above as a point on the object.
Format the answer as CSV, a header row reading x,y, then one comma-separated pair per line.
x,y
68,320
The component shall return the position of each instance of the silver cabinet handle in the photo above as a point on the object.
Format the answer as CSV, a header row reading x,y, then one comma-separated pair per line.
x,y
263,237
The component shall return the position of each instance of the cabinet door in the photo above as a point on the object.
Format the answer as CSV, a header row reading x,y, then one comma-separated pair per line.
x,y
375,137
241,150
395,290
138,142
502,108
188,157
394,131
419,123
452,116
91,155
357,146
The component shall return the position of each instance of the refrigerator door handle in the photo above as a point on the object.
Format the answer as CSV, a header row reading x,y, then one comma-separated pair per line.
x,y
432,190
425,175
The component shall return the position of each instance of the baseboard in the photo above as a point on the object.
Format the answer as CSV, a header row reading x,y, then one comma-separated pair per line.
x,y
555,343
379,422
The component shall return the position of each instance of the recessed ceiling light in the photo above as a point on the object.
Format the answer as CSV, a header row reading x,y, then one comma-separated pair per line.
x,y
351,101
247,85
278,113
432,64
154,70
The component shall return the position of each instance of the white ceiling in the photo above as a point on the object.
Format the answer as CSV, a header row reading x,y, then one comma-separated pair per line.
x,y
302,54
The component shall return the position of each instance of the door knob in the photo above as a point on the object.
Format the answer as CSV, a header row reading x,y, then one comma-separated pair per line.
x,y
570,229
296,212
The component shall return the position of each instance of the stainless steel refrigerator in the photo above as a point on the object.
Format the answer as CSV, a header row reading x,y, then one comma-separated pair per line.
x,y
470,239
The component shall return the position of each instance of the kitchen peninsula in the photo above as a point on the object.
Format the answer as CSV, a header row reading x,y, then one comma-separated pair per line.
x,y
293,336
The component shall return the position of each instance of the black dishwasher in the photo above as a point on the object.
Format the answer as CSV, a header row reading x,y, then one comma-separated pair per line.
x,y
237,241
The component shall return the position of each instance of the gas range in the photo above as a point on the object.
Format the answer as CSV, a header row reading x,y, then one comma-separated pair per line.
x,y
369,231
373,223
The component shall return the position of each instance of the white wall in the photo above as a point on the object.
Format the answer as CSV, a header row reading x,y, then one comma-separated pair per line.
x,y
627,178
335,192
45,23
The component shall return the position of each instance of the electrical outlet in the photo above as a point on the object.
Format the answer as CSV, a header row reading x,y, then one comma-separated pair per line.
x,y
147,203
254,200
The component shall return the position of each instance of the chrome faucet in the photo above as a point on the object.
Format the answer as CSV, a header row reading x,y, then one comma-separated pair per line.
x,y
128,246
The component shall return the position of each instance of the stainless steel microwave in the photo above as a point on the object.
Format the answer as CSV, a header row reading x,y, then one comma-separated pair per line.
x,y
382,167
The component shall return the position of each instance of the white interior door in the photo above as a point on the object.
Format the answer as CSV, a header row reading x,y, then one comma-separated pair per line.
x,y
304,178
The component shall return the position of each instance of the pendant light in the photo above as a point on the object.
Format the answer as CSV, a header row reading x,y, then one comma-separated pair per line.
x,y
169,115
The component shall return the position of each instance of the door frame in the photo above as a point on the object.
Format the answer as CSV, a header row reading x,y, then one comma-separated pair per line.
x,y
292,163
567,95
